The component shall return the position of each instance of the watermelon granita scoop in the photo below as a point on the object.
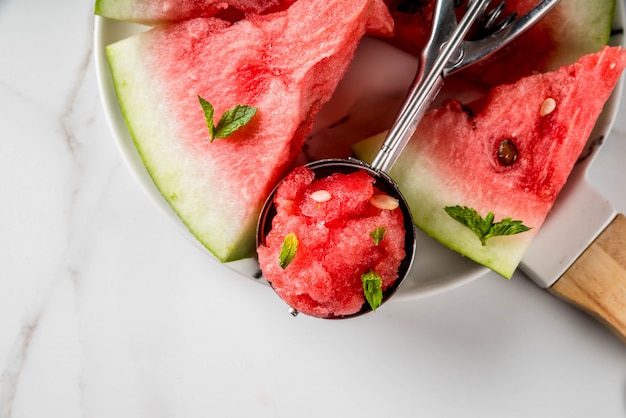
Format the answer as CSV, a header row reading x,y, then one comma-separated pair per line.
x,y
339,243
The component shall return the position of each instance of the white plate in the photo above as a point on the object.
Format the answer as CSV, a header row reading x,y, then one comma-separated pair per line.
x,y
378,79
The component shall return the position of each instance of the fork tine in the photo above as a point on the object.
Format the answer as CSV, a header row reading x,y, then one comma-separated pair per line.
x,y
488,20
509,29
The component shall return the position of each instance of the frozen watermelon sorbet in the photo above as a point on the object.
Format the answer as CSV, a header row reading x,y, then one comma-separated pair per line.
x,y
335,244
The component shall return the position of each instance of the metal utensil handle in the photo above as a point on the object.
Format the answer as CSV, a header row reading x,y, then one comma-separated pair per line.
x,y
423,91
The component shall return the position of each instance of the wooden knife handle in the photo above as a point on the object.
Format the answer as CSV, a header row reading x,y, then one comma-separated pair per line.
x,y
596,282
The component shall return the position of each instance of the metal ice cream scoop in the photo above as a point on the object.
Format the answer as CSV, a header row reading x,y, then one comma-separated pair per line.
x,y
445,53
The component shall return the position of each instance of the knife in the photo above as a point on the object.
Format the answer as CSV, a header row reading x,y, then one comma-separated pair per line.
x,y
579,254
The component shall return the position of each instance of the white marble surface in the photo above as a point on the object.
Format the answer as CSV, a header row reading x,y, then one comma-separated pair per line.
x,y
106,310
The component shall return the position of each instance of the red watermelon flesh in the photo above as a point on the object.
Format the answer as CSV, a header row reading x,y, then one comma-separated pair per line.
x,y
453,157
286,64
412,23
152,12
333,219
572,29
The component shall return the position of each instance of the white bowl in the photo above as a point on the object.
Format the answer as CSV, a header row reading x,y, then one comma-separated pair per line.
x,y
379,73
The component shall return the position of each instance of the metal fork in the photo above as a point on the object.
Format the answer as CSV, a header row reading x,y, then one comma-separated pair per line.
x,y
447,52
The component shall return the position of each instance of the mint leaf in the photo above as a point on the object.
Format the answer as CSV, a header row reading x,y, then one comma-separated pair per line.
x,y
378,234
485,228
507,226
208,110
234,119
230,121
372,289
288,250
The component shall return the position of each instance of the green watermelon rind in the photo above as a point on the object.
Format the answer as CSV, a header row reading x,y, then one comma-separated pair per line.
x,y
113,9
594,23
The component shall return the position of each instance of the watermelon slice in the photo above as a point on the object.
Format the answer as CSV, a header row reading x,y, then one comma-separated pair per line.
x,y
153,12
286,64
572,29
508,153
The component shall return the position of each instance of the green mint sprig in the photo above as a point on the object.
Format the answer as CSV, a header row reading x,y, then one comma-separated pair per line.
x,y
485,228
288,250
372,289
230,121
378,234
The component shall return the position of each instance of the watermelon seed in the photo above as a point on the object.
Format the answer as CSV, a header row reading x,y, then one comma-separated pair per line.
x,y
384,202
547,106
320,196
507,152
468,110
